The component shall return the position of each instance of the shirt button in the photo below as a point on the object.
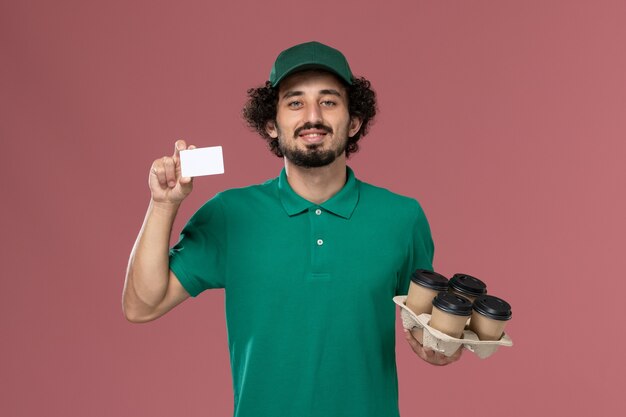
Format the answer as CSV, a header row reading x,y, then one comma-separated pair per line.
x,y
318,212
320,242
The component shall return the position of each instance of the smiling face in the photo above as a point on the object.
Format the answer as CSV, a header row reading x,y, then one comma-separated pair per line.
x,y
312,120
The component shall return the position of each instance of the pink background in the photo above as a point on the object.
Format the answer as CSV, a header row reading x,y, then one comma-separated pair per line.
x,y
506,119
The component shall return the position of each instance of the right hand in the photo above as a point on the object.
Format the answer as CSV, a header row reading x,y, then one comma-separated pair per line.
x,y
415,339
165,180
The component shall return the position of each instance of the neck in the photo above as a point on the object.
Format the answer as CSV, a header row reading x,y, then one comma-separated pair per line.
x,y
317,184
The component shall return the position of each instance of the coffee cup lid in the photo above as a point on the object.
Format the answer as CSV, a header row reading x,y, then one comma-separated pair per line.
x,y
467,284
430,279
453,304
493,307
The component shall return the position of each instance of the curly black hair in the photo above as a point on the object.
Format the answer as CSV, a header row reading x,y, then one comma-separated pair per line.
x,y
262,101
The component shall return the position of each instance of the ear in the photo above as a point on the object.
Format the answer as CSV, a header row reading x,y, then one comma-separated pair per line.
x,y
270,128
355,125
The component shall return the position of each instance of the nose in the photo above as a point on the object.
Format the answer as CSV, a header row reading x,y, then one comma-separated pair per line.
x,y
314,113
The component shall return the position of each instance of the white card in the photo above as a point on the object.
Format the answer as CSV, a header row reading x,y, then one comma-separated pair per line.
x,y
201,161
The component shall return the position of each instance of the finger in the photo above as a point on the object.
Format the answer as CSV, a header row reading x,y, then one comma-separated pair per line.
x,y
159,172
446,360
415,346
170,171
440,358
418,334
412,342
430,355
180,145
435,357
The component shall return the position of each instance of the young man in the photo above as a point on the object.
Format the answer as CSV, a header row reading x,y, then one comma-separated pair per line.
x,y
309,261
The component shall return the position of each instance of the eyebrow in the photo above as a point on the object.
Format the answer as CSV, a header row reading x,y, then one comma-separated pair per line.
x,y
294,93
331,92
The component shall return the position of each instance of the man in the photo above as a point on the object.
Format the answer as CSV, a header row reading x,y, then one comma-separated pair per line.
x,y
309,261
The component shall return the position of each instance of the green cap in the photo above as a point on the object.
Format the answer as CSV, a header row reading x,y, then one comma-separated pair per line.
x,y
310,55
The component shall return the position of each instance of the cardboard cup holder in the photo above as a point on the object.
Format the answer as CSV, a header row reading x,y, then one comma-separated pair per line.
x,y
441,342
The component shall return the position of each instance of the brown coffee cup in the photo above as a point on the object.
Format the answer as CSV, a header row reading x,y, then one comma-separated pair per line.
x,y
489,317
450,314
467,286
425,285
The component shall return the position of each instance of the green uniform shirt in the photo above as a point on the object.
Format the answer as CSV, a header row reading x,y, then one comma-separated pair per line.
x,y
309,288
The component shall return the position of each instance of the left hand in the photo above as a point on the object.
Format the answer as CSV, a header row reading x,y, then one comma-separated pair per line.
x,y
414,338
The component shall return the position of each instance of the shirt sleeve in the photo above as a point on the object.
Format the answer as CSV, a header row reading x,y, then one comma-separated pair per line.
x,y
198,259
420,251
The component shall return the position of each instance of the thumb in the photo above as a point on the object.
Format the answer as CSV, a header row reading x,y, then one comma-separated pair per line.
x,y
186,185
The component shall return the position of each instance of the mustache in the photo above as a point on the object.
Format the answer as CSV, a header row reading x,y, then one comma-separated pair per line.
x,y
308,125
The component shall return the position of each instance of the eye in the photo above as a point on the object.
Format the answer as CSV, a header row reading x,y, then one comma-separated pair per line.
x,y
329,103
294,104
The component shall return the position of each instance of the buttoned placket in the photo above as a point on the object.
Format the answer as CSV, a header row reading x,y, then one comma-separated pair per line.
x,y
319,236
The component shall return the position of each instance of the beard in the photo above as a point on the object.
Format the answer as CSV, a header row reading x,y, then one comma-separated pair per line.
x,y
313,156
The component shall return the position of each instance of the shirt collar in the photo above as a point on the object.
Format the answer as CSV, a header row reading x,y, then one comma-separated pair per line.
x,y
342,204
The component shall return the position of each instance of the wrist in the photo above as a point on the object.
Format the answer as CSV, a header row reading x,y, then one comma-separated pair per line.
x,y
162,208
